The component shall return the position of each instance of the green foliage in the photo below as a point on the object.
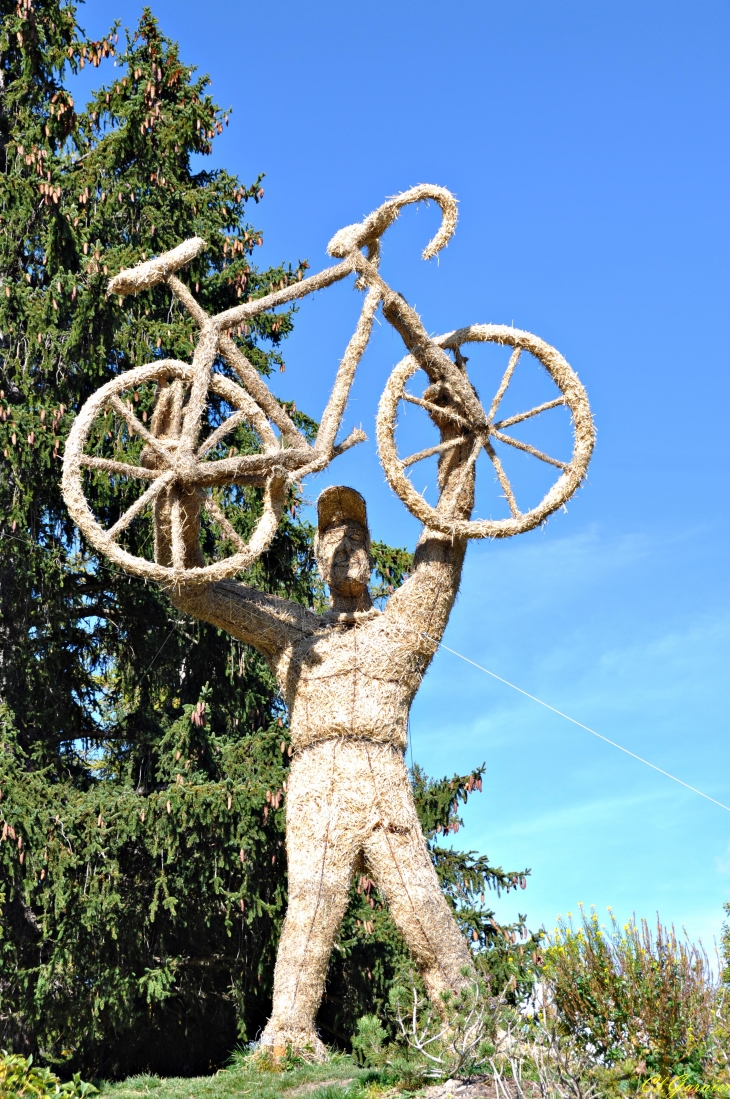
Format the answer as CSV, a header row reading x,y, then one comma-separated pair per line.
x,y
248,1073
83,194
143,757
21,1079
142,766
367,1041
628,995
127,910
617,1014
725,947
457,1039
506,956
391,568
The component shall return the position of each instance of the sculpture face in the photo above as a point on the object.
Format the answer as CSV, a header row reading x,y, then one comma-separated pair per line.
x,y
343,557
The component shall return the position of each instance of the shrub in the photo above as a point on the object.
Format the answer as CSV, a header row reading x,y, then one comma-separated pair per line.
x,y
725,948
626,994
367,1042
617,1012
455,1038
21,1079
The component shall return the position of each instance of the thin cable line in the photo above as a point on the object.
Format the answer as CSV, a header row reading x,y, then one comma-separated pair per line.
x,y
578,723
154,658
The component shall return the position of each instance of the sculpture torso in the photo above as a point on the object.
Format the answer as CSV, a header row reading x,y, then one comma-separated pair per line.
x,y
344,676
354,678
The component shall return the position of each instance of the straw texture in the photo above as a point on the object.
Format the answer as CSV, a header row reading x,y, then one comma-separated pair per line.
x,y
350,805
368,232
181,463
348,676
349,679
480,429
155,271
173,465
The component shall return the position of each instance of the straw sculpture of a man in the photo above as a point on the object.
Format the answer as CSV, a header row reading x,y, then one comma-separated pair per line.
x,y
349,678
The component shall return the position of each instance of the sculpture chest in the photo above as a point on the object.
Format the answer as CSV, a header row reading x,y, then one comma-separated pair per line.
x,y
350,681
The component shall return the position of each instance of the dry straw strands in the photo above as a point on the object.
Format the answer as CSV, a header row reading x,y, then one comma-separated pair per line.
x,y
170,470
155,271
348,677
350,806
181,461
367,233
294,458
480,432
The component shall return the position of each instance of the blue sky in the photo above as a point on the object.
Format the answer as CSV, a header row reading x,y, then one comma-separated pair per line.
x,y
587,145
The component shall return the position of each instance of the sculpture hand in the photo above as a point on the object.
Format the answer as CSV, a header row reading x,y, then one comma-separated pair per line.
x,y
177,506
456,465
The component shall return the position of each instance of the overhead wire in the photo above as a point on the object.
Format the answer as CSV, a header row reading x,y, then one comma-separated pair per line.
x,y
580,724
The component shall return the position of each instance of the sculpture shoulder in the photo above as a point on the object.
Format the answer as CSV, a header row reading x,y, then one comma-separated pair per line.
x,y
368,640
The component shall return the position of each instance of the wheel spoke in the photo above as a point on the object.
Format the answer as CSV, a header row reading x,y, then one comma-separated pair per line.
x,y
218,516
506,378
503,480
147,497
119,467
454,416
533,412
221,431
138,428
529,450
431,450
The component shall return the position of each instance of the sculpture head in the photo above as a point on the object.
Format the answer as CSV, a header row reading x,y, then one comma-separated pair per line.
x,y
342,542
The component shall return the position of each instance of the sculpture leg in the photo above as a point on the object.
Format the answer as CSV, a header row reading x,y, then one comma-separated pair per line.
x,y
322,847
396,855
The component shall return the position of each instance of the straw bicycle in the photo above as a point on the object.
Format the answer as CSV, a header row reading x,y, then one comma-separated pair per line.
x,y
185,449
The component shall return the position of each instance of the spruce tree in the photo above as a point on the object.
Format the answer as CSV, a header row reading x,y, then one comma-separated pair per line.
x,y
143,757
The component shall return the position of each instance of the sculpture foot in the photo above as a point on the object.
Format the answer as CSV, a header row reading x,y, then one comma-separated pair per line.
x,y
303,1041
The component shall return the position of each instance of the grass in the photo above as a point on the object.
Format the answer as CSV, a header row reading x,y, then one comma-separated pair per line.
x,y
340,1078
